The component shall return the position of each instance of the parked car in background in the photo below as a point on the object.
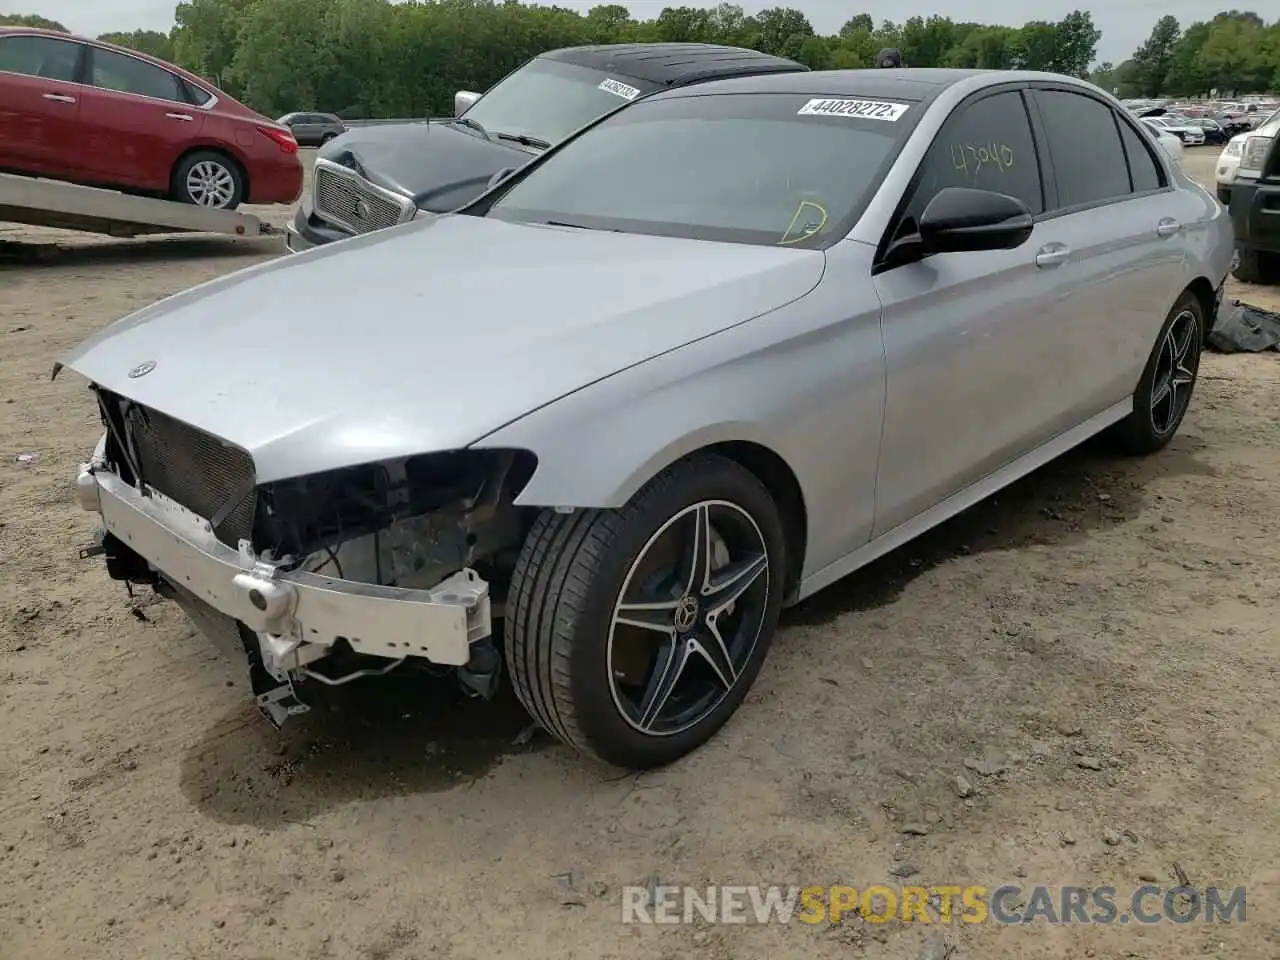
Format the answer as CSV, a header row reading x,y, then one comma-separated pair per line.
x,y
376,177
1171,144
1255,216
1186,130
713,353
92,113
1243,155
1214,133
313,129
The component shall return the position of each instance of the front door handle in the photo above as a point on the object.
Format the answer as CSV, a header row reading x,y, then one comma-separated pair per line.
x,y
1167,227
1052,255
60,97
180,116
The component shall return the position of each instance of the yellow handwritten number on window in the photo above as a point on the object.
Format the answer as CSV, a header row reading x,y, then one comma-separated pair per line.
x,y
973,157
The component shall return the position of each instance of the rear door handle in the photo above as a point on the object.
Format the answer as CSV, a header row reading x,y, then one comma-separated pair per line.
x,y
1168,227
60,97
180,116
1052,255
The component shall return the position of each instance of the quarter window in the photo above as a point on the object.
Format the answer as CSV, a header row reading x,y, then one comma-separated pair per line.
x,y
125,74
1143,169
986,145
1088,157
42,57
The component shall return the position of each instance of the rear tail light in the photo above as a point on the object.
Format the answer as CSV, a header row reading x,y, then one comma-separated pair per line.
x,y
283,138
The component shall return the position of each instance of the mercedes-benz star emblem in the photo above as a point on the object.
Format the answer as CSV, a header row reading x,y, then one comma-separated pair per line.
x,y
360,210
686,613
142,369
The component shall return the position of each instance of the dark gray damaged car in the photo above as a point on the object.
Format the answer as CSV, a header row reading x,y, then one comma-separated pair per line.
x,y
375,177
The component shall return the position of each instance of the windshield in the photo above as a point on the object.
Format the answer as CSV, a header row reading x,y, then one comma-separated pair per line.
x,y
548,100
746,168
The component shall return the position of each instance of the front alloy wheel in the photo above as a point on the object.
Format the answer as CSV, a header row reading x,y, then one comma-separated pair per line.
x,y
688,618
634,634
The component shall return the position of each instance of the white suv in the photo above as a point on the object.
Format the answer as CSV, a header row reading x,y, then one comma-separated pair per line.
x,y
1243,155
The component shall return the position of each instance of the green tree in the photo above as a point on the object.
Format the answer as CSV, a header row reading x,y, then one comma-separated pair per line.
x,y
151,42
1154,58
384,58
30,20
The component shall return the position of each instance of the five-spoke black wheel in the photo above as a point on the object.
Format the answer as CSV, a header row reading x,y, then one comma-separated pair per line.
x,y
1168,380
634,634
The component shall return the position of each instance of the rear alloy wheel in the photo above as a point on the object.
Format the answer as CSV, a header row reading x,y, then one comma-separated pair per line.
x,y
634,634
1164,392
208,179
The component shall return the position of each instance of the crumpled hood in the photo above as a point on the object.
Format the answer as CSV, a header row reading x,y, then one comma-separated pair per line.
x,y
427,336
440,165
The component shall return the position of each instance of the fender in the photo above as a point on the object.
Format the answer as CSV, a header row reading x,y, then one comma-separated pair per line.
x,y
805,382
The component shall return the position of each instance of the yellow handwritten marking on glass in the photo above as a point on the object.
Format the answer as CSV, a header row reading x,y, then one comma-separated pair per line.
x,y
809,227
972,157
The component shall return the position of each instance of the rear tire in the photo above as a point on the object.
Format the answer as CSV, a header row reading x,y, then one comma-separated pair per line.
x,y
621,648
208,179
1164,392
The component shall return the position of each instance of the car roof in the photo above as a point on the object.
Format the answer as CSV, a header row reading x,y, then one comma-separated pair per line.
x,y
913,84
672,64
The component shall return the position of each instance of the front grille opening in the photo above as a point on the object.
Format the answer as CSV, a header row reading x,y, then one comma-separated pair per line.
x,y
346,201
212,479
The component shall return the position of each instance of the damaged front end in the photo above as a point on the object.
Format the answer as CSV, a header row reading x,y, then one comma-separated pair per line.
x,y
324,578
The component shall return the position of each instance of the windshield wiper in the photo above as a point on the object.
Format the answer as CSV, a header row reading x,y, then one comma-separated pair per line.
x,y
526,140
473,124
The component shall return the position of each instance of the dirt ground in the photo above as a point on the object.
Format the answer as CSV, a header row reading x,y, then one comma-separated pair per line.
x,y
1094,652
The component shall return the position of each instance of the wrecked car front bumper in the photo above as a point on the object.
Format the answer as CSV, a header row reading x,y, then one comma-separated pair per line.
x,y
297,615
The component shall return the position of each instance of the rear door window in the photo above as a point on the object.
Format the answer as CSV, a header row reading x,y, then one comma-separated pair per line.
x,y
1145,173
1089,164
43,57
125,74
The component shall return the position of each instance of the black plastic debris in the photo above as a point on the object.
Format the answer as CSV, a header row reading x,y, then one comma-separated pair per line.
x,y
1244,328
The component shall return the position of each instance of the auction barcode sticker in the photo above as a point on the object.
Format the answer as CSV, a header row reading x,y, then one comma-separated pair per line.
x,y
619,89
859,109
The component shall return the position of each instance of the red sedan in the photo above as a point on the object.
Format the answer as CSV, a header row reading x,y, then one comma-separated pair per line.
x,y
92,113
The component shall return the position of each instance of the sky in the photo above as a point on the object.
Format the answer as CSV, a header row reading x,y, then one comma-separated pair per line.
x,y
1124,23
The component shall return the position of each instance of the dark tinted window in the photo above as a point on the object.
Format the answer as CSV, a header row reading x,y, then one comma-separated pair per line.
x,y
1088,159
1142,165
986,145
197,95
125,74
763,168
42,57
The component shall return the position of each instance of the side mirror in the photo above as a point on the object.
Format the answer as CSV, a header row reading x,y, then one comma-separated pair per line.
x,y
960,219
462,101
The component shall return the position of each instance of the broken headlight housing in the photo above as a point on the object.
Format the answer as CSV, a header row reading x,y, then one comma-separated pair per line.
x,y
408,522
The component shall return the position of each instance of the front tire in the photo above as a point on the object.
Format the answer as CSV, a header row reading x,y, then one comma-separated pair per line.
x,y
208,179
1168,381
1254,266
634,634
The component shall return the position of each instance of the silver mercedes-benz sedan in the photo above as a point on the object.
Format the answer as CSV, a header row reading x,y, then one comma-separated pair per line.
x,y
711,354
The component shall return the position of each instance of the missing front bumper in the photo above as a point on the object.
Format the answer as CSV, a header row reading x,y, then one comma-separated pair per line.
x,y
297,616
